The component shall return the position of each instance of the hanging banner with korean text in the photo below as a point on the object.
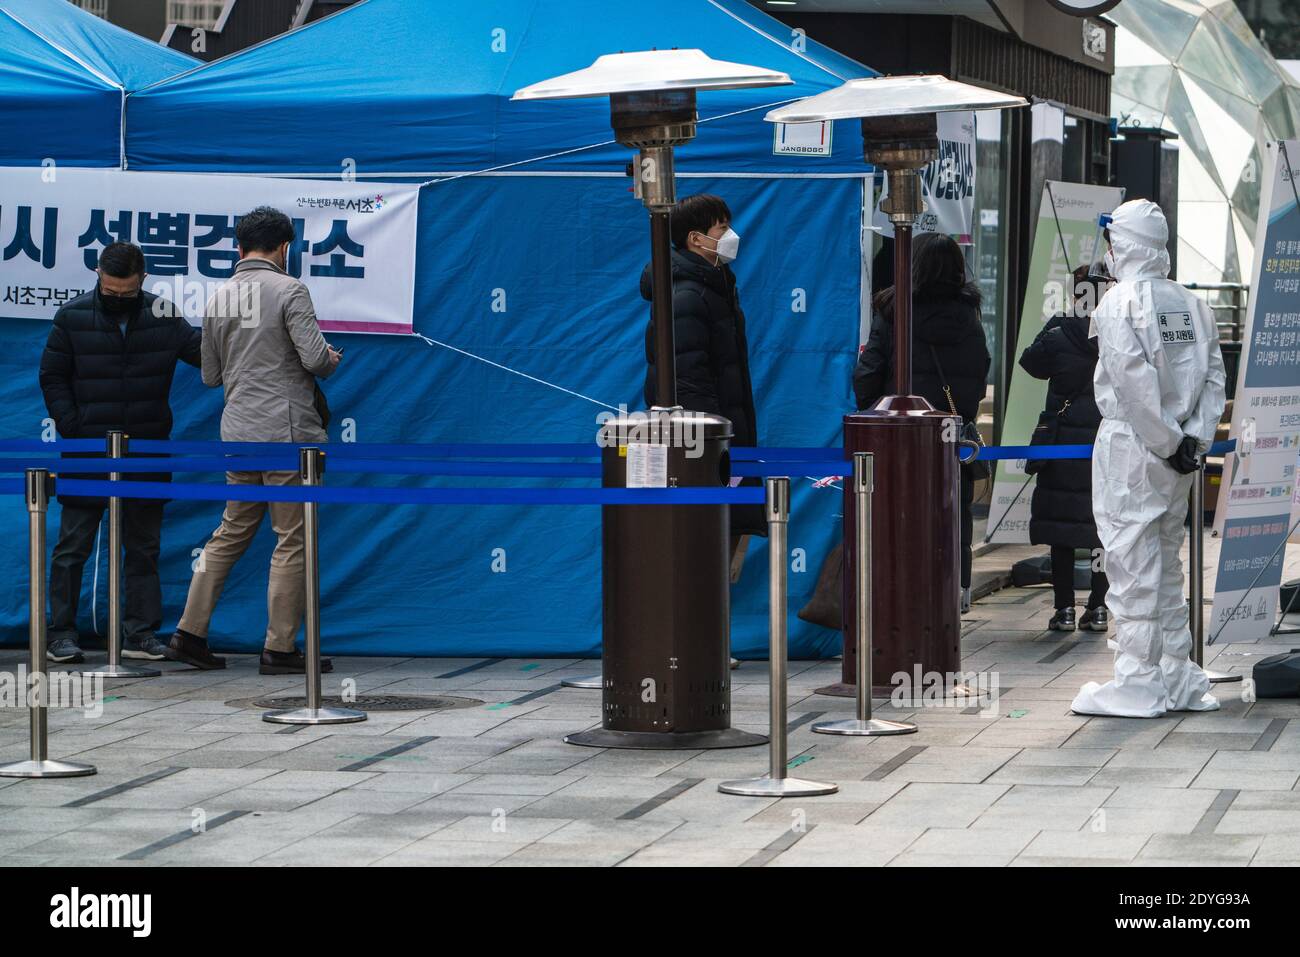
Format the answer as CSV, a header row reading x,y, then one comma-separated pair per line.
x,y
1063,241
1255,498
947,183
355,245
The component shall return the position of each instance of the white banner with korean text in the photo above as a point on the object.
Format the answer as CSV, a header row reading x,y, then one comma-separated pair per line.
x,y
1254,511
947,183
355,246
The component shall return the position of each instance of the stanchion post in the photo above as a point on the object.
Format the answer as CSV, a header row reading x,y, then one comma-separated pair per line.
x,y
116,448
777,783
37,495
1196,576
311,466
864,484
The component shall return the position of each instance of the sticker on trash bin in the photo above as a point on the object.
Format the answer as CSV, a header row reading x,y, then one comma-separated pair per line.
x,y
647,465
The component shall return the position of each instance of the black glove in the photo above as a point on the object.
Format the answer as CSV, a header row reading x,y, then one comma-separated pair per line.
x,y
1185,459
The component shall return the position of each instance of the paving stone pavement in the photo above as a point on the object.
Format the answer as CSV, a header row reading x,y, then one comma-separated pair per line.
x,y
186,778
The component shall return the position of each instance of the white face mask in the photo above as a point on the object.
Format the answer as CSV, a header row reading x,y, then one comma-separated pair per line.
x,y
1109,260
728,245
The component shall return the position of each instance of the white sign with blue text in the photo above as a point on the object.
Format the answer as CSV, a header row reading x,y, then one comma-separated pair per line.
x,y
355,245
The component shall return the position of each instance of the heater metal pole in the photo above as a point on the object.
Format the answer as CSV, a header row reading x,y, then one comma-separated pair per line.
x,y
116,447
37,494
903,305
1196,573
864,724
661,269
777,783
311,465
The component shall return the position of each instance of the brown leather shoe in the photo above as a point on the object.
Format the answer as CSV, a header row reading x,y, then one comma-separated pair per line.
x,y
192,650
289,663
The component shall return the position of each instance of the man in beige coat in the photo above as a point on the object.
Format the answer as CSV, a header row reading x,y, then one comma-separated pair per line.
x,y
261,342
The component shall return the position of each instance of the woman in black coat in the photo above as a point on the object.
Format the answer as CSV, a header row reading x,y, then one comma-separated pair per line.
x,y
948,346
1061,509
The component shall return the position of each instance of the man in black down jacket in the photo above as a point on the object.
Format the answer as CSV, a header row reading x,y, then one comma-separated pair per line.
x,y
108,365
709,330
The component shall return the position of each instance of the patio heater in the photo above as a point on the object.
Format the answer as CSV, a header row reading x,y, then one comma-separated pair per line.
x,y
665,658
916,621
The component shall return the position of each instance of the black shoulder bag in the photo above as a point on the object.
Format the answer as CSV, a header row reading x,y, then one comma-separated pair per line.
x,y
976,469
1046,432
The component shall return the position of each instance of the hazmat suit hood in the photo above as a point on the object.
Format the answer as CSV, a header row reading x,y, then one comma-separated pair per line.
x,y
1139,237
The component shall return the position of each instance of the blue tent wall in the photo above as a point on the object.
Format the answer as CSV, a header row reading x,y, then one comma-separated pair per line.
x,y
568,250
63,73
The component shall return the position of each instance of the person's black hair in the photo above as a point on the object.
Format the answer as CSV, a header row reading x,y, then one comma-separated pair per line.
x,y
938,274
1086,287
697,214
122,260
264,230
1083,277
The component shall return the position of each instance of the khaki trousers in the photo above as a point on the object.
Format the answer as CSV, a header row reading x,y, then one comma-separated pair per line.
x,y
285,592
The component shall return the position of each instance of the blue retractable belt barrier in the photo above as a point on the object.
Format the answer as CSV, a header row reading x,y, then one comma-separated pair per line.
x,y
369,457
413,496
286,463
1038,452
62,445
442,450
997,452
238,463
210,463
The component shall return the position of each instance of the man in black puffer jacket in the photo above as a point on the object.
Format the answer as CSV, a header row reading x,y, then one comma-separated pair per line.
x,y
709,331
108,365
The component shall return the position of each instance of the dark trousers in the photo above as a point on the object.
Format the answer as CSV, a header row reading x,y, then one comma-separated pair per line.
x,y
141,538
967,526
1063,580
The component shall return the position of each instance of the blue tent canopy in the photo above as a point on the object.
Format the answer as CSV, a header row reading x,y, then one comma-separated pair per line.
x,y
421,87
63,74
410,89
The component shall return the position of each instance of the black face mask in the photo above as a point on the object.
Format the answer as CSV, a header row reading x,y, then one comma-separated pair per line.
x,y
119,305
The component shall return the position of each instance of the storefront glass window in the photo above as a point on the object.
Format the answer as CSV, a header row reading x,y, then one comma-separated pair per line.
x,y
992,148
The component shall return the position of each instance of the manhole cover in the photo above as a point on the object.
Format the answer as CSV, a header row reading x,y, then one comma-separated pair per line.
x,y
365,702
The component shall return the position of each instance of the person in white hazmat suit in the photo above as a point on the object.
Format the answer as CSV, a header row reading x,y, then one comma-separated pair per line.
x,y
1159,385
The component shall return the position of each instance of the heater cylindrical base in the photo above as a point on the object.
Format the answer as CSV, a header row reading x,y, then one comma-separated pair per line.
x,y
666,664
916,623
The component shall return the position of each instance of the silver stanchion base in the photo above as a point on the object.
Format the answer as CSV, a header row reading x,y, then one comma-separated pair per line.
x,y
314,716
1220,677
872,726
586,683
46,769
118,671
777,787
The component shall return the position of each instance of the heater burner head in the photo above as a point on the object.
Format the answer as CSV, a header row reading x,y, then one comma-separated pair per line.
x,y
656,118
908,141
